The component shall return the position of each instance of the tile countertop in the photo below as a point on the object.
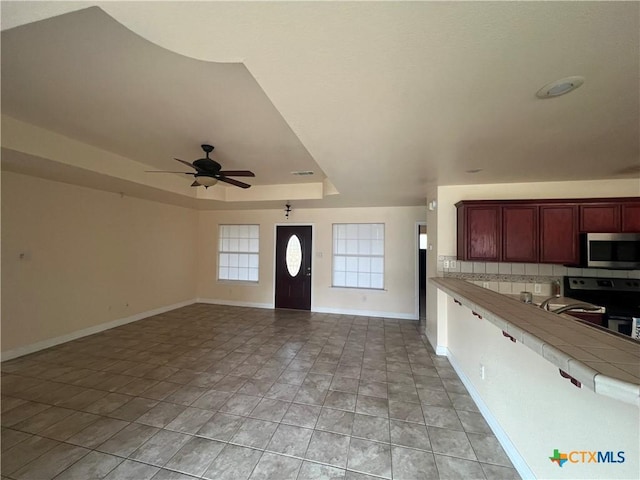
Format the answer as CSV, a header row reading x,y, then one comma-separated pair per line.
x,y
602,362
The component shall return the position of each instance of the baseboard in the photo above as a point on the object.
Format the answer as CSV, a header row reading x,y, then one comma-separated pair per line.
x,y
440,350
338,311
366,313
512,452
235,303
51,342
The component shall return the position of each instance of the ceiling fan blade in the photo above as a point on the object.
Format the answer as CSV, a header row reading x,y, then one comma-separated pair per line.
x,y
186,163
166,171
237,173
234,182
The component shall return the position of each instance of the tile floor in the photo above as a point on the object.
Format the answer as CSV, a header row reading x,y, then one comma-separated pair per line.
x,y
223,393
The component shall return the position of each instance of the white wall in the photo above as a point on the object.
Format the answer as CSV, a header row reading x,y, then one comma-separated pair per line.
x,y
398,298
535,408
91,257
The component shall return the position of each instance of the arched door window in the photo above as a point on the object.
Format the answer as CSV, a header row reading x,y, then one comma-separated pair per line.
x,y
293,255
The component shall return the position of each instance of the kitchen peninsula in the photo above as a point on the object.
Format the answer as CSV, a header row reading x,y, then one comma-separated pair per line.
x,y
543,381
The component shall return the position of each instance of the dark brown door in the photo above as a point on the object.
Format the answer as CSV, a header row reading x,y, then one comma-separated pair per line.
x,y
293,267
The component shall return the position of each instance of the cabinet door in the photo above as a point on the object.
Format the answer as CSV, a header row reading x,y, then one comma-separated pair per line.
x,y
603,218
631,217
559,234
520,234
596,318
483,233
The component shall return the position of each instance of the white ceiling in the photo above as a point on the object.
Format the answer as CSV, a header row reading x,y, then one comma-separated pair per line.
x,y
385,99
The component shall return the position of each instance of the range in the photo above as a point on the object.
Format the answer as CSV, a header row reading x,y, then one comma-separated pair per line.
x,y
619,296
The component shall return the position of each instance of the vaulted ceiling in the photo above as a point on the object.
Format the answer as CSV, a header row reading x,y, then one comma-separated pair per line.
x,y
381,100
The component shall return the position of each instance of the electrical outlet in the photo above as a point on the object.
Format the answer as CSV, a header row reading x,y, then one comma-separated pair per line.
x,y
485,284
482,372
446,264
537,288
453,264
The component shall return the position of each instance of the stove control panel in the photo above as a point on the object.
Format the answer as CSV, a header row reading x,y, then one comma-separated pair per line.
x,y
604,284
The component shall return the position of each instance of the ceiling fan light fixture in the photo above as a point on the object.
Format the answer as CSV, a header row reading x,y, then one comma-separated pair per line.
x,y
560,87
206,181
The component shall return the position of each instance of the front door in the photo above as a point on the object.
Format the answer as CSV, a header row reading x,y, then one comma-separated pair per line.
x,y
293,267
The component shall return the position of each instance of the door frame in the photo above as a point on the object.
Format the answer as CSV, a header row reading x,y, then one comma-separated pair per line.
x,y
313,254
416,239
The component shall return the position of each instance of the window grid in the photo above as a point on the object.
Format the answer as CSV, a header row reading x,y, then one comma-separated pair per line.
x,y
238,252
358,255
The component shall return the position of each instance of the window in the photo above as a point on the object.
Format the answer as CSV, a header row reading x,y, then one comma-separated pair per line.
x,y
423,241
358,255
238,247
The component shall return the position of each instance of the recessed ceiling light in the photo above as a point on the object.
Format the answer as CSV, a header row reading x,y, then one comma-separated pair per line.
x,y
474,170
302,173
560,87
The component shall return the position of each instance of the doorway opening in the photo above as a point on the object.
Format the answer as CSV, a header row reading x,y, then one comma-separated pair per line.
x,y
422,272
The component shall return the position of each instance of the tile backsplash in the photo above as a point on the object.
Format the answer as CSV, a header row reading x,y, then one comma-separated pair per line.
x,y
518,277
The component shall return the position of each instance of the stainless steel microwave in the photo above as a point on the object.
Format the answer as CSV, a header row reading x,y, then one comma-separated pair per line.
x,y
611,250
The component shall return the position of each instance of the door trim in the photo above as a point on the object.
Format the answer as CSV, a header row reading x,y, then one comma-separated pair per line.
x,y
313,255
417,264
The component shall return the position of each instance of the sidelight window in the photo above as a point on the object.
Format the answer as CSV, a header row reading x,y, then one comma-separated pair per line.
x,y
238,252
358,255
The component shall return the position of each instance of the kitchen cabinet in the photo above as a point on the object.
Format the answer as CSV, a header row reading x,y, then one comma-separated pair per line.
x,y
480,229
595,318
600,218
519,233
631,217
559,240
539,231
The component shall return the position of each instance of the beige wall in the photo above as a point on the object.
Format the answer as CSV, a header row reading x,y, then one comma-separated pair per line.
x,y
90,257
397,300
93,259
431,327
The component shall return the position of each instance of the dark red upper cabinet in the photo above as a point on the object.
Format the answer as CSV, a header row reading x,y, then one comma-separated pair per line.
x,y
600,218
484,233
559,234
631,217
480,233
520,233
539,231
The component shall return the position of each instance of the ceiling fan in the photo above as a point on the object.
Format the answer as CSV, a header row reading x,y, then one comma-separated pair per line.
x,y
208,172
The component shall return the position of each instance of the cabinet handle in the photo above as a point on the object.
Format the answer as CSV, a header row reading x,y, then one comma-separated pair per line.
x,y
477,314
456,301
564,374
510,337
